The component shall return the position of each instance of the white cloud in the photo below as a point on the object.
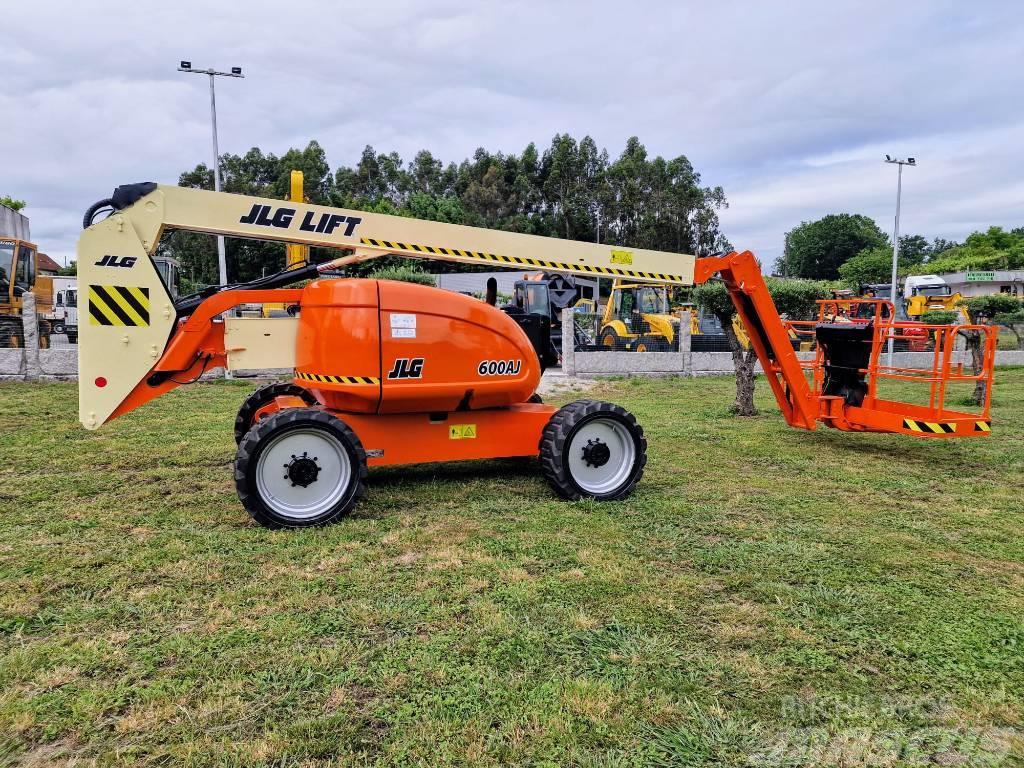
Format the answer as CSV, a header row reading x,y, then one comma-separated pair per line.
x,y
789,106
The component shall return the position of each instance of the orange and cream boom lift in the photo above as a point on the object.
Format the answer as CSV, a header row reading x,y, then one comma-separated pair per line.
x,y
394,373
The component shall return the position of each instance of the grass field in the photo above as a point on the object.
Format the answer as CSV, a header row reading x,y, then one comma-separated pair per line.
x,y
767,597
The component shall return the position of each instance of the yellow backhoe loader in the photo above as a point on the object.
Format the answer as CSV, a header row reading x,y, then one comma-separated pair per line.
x,y
19,274
637,318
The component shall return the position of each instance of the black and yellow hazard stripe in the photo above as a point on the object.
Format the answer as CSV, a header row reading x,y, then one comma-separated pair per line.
x,y
929,427
321,378
983,426
493,258
118,305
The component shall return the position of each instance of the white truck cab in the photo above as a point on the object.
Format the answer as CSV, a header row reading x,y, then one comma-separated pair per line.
x,y
926,285
64,315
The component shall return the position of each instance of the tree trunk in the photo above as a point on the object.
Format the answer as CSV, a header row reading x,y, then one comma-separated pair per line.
x,y
743,362
1017,335
974,339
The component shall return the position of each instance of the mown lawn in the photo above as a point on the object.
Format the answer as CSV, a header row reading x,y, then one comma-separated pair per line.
x,y
767,597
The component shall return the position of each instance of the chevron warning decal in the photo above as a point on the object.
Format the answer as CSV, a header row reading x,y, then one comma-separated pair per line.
x,y
982,426
492,258
928,427
321,378
118,305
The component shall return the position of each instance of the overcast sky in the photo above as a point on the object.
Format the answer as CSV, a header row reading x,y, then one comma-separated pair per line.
x,y
790,106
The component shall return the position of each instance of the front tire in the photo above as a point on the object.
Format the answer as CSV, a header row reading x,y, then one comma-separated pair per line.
x,y
652,344
299,468
594,450
610,340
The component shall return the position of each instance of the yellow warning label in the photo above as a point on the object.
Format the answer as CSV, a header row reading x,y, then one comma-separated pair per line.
x,y
461,431
621,257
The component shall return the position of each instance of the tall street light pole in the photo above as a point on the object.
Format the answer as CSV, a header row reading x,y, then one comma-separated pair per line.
x,y
186,66
899,162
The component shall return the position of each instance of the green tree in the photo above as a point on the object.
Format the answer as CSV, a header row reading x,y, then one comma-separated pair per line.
x,y
872,265
10,202
405,274
940,245
795,299
571,190
984,310
816,249
993,249
940,317
914,249
999,309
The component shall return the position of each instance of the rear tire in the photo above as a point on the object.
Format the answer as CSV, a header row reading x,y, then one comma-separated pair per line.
x,y
11,333
299,468
263,396
595,450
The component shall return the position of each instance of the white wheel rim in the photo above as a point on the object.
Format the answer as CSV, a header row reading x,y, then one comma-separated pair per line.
x,y
611,475
293,501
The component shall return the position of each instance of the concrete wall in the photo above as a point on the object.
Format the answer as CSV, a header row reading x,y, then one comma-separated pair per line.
x,y
13,224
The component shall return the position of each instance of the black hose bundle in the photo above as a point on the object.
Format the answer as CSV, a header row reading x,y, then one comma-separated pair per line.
x,y
95,208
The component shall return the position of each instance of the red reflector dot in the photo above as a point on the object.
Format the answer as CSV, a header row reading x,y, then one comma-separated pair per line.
x,y
100,381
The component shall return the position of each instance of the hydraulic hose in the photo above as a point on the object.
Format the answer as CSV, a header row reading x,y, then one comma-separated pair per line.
x,y
187,305
94,209
124,195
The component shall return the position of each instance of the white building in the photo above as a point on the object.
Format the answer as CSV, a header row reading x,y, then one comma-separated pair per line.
x,y
986,282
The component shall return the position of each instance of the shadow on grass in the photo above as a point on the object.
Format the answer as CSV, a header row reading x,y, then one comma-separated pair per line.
x,y
481,469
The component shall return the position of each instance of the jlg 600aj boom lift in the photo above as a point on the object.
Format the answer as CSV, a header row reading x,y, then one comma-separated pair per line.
x,y
395,373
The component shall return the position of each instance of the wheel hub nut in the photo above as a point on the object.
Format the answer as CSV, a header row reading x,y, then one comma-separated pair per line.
x,y
302,470
596,453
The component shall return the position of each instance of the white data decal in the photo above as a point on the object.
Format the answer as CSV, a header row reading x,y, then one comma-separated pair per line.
x,y
403,326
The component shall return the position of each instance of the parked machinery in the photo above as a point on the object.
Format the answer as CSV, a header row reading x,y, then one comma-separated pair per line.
x,y
930,293
19,274
63,316
394,373
637,317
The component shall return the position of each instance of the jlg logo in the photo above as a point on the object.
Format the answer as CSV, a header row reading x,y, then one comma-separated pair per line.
x,y
407,368
326,223
117,261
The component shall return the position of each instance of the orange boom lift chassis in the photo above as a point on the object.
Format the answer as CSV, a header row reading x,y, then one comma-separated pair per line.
x,y
393,373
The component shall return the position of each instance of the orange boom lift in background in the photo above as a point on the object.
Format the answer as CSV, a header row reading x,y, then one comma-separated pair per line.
x,y
395,373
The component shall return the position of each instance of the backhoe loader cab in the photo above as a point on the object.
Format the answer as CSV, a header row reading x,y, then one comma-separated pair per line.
x,y
637,317
532,297
19,274
547,294
531,308
170,274
389,373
